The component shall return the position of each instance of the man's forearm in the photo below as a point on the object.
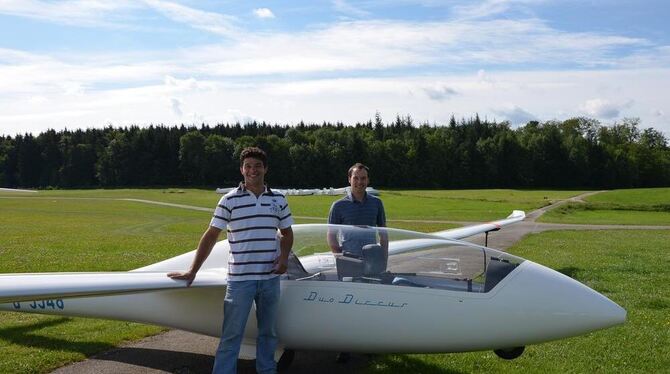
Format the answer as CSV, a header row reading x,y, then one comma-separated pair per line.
x,y
286,243
332,243
207,242
384,240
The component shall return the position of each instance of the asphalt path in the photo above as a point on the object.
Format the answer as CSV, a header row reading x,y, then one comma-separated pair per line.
x,y
182,352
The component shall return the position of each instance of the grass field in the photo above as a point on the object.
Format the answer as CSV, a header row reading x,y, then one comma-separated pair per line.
x,y
459,205
649,206
91,230
43,235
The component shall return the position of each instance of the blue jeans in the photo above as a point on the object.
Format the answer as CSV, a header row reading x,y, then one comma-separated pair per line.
x,y
236,308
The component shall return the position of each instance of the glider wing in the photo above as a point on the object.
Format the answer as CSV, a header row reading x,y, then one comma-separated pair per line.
x,y
27,287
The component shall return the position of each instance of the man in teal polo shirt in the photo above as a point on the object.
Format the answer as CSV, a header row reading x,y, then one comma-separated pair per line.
x,y
357,208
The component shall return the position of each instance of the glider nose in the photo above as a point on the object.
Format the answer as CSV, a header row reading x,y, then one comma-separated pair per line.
x,y
559,305
577,302
597,310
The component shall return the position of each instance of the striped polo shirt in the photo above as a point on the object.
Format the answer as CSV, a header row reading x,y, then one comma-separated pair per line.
x,y
252,223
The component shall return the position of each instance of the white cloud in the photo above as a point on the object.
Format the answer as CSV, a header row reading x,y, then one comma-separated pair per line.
x,y
73,88
189,84
343,6
279,76
487,8
34,74
606,109
175,105
484,77
213,22
440,93
517,96
342,47
380,45
118,13
236,116
71,12
264,13
515,115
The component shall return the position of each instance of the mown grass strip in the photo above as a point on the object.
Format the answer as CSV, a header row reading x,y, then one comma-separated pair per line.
x,y
627,207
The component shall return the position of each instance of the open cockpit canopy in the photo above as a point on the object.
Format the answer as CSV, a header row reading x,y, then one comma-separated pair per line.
x,y
395,257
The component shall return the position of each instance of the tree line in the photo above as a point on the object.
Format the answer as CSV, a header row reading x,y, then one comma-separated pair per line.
x,y
470,153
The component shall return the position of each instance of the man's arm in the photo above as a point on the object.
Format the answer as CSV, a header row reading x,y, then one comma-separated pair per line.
x,y
285,244
331,237
384,240
207,242
333,242
381,222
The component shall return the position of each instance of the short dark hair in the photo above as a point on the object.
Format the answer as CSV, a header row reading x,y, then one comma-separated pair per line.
x,y
357,166
254,152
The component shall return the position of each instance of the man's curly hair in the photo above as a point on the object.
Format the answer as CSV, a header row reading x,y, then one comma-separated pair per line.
x,y
254,152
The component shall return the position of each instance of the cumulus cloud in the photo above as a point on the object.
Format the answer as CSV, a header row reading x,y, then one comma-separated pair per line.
x,y
334,71
515,115
175,105
181,84
440,93
73,88
264,13
606,109
484,77
236,116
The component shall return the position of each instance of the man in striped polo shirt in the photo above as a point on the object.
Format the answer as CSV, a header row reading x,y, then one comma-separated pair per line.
x,y
251,214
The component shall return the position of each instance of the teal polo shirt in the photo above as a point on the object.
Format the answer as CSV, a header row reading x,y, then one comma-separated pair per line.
x,y
349,211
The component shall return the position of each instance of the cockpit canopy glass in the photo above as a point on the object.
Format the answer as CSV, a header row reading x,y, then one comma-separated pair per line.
x,y
381,255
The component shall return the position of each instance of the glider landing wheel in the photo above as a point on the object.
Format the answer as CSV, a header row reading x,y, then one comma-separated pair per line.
x,y
285,360
509,353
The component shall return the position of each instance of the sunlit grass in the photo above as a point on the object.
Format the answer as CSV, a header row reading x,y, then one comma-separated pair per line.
x,y
459,205
31,343
634,196
60,231
650,206
54,234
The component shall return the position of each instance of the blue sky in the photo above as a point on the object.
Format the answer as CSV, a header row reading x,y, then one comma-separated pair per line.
x,y
94,63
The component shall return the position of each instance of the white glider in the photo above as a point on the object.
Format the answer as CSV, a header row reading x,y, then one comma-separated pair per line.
x,y
431,293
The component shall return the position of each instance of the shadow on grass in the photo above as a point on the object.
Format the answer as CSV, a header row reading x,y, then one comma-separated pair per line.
x,y
570,271
25,335
405,364
656,303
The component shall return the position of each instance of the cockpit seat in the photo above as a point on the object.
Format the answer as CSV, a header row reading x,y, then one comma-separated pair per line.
x,y
371,263
374,260
348,266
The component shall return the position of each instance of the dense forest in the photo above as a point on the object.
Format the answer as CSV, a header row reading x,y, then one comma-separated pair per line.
x,y
471,153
